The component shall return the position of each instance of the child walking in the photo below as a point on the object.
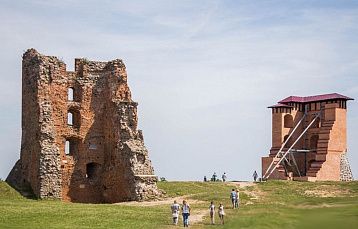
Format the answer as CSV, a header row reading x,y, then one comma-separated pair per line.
x,y
212,212
221,213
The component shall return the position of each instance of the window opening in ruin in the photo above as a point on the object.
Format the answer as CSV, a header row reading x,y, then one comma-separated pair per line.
x,y
288,121
70,93
74,118
314,142
70,119
92,170
92,146
67,147
71,146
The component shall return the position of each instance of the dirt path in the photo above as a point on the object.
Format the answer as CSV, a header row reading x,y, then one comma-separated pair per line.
x,y
254,194
242,184
166,201
197,215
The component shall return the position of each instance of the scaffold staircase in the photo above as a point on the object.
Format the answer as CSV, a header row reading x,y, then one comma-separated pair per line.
x,y
284,159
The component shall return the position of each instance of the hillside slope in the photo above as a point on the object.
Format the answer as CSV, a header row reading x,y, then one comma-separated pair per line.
x,y
274,204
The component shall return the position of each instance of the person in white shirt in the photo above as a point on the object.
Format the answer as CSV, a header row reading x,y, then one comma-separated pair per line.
x,y
212,212
237,202
224,177
186,213
221,213
175,212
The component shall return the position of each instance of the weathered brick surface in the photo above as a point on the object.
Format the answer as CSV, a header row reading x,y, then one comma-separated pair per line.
x,y
108,161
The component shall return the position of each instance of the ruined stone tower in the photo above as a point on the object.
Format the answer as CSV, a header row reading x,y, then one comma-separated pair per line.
x,y
80,140
309,139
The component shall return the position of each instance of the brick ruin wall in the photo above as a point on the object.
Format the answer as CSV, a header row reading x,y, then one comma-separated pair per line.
x,y
100,155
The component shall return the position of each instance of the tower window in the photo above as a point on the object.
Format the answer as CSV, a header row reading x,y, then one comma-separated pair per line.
x,y
288,121
70,94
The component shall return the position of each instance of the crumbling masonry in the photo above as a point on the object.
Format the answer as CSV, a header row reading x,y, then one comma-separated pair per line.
x,y
309,139
80,140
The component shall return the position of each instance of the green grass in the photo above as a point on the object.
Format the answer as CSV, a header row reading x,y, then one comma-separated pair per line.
x,y
280,204
286,205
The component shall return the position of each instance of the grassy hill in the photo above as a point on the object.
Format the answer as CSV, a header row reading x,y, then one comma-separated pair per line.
x,y
274,204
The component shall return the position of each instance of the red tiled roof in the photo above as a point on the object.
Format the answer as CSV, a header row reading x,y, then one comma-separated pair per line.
x,y
280,105
315,98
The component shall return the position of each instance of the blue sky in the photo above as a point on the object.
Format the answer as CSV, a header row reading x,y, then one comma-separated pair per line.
x,y
203,72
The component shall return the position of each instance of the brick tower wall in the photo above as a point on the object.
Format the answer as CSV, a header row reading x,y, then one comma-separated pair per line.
x,y
326,139
106,154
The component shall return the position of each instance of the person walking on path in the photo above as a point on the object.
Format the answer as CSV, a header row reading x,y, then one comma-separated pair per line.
x,y
175,212
237,202
212,212
221,213
255,175
233,197
224,177
186,213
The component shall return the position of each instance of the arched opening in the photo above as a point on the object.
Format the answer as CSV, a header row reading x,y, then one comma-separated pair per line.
x,y
74,118
288,121
316,123
314,142
93,170
70,94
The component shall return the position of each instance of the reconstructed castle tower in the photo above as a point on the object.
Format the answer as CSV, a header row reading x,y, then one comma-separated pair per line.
x,y
309,139
80,140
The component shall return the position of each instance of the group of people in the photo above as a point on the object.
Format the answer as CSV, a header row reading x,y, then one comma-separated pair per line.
x,y
214,177
185,208
221,213
224,177
185,212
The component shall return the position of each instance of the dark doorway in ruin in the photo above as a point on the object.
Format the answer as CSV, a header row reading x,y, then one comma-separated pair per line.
x,y
93,170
